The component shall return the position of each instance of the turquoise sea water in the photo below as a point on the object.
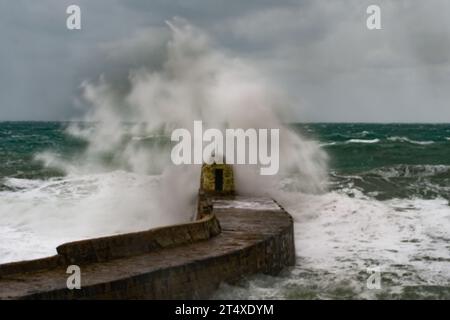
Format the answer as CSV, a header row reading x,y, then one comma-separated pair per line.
x,y
388,160
20,142
384,160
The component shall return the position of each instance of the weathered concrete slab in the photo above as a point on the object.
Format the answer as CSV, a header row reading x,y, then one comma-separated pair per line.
x,y
255,238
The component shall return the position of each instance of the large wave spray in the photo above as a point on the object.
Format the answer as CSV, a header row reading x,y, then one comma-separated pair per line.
x,y
195,81
124,180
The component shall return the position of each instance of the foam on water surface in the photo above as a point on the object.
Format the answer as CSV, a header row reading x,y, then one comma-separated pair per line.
x,y
41,214
340,238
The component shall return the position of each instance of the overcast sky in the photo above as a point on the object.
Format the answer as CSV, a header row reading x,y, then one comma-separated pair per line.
x,y
320,52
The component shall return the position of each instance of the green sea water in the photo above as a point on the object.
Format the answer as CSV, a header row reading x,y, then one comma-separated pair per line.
x,y
20,142
387,160
383,160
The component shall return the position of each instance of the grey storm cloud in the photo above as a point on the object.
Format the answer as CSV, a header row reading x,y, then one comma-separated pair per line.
x,y
319,52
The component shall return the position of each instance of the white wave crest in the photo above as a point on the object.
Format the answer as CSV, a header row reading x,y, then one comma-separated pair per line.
x,y
328,144
407,171
406,139
369,141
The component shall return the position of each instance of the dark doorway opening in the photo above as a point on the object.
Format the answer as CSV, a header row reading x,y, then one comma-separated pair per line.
x,y
218,179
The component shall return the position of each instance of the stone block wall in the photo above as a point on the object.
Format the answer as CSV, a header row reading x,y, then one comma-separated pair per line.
x,y
130,244
196,280
187,261
120,246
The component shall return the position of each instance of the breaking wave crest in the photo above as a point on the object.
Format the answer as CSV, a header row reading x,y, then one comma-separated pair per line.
x,y
406,139
400,181
370,141
412,171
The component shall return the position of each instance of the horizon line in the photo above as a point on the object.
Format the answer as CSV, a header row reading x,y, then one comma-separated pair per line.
x,y
296,122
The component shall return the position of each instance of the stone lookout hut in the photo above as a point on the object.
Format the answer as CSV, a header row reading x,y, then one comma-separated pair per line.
x,y
217,179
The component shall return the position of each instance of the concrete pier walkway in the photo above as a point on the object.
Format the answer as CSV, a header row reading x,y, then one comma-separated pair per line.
x,y
256,237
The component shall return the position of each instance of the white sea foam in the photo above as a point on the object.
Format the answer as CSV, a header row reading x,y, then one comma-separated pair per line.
x,y
363,141
406,139
334,227
40,215
328,144
408,171
337,237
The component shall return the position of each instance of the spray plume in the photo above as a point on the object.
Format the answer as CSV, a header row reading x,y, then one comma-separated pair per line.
x,y
194,81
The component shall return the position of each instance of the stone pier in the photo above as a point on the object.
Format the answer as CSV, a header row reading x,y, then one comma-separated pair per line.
x,y
242,236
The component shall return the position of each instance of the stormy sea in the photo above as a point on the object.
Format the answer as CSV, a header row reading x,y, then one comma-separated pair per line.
x,y
385,211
